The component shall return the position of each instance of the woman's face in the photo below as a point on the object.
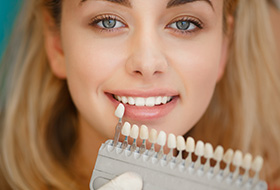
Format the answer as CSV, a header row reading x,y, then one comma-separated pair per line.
x,y
162,58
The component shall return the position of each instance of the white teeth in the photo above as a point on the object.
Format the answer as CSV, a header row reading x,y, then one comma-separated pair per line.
x,y
208,152
190,144
247,161
126,129
237,158
161,140
199,148
131,101
227,158
134,131
218,154
181,145
119,111
257,164
140,101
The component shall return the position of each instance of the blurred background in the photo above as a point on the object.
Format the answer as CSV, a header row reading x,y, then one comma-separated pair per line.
x,y
8,11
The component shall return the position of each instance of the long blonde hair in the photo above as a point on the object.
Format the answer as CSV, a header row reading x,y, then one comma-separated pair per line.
x,y
39,120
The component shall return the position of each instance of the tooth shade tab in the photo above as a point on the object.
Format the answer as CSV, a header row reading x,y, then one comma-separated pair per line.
x,y
119,112
199,149
227,158
181,144
161,140
218,154
237,158
190,144
126,129
247,161
171,142
257,164
153,136
208,152
134,132
144,132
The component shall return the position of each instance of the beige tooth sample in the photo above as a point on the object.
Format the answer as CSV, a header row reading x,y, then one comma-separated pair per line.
x,y
190,147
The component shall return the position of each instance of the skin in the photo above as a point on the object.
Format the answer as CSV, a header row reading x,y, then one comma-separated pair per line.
x,y
275,16
147,54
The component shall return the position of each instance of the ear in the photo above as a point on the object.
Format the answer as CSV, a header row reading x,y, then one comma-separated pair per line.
x,y
53,47
225,47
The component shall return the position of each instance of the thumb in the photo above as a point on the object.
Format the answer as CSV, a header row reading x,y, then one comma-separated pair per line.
x,y
126,181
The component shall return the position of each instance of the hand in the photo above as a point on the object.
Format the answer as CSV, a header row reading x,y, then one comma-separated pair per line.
x,y
126,181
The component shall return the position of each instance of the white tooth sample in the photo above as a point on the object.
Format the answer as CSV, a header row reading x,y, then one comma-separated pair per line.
x,y
158,100
190,144
124,99
181,145
134,134
171,142
126,129
247,161
119,111
153,136
190,147
144,135
144,132
257,164
199,148
150,101
208,154
164,99
139,101
131,101
218,156
227,158
161,140
134,131
237,161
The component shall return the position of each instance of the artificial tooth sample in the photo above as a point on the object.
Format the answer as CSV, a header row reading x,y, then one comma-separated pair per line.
x,y
144,135
199,152
153,140
161,140
119,112
181,145
134,135
246,164
208,154
237,161
227,158
256,167
218,156
190,147
171,144
126,132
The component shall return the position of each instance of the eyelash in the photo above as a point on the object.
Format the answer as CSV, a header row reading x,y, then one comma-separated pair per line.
x,y
96,20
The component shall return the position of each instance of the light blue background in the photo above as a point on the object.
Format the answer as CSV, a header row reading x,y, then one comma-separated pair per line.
x,y
8,12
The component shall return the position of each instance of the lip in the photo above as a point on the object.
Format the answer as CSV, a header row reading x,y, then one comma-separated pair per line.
x,y
142,113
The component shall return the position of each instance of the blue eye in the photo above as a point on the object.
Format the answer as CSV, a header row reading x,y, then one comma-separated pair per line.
x,y
183,25
109,23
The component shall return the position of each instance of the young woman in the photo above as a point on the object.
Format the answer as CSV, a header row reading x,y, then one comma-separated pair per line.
x,y
69,63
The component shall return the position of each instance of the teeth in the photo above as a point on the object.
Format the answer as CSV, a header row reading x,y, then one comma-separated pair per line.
x,y
140,101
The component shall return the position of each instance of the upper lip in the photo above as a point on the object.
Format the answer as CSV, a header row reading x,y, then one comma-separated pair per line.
x,y
145,93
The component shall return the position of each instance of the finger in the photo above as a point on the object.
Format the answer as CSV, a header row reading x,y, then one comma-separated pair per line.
x,y
126,181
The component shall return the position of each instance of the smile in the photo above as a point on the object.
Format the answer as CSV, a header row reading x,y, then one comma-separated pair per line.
x,y
141,101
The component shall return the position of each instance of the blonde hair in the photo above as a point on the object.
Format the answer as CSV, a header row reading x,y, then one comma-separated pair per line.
x,y
39,120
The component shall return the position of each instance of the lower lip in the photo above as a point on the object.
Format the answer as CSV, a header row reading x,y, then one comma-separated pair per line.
x,y
145,112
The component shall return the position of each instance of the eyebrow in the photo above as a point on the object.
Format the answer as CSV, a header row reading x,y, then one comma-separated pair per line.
x,y
171,3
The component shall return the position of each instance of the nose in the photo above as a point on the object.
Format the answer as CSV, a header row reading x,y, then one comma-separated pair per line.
x,y
146,58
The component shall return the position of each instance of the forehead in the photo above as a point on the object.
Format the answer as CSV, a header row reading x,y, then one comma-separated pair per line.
x,y
170,3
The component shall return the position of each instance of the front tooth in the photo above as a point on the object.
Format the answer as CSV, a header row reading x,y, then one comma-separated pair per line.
x,y
124,99
169,98
131,101
150,101
139,101
158,100
164,100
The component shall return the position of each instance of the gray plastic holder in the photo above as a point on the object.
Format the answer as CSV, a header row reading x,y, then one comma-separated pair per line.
x,y
160,174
